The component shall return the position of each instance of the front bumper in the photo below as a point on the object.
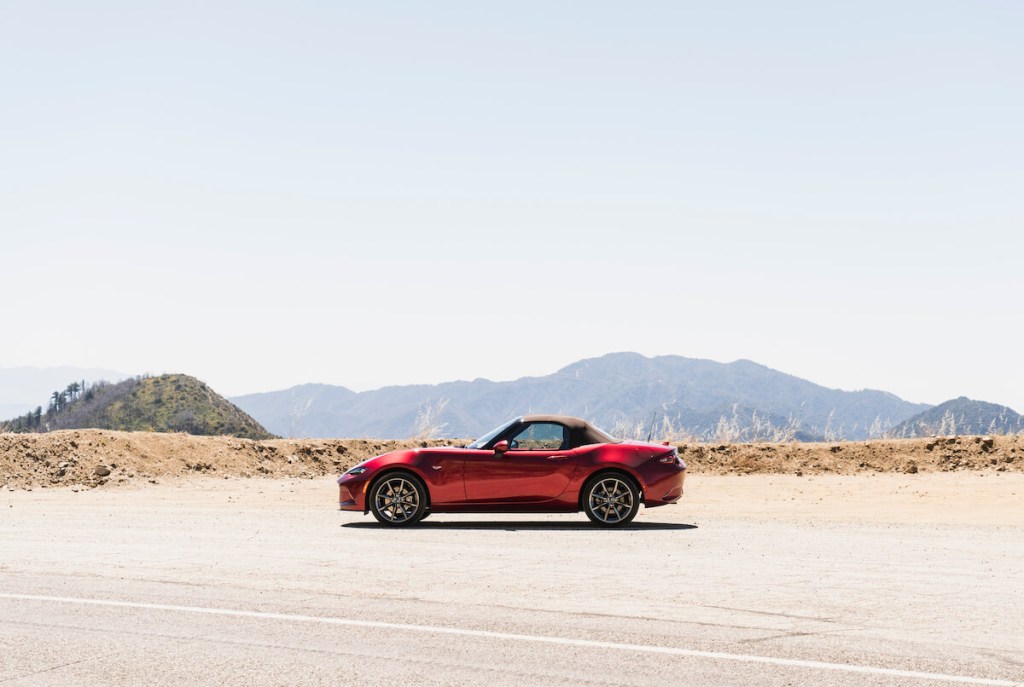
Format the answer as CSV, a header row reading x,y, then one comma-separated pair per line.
x,y
352,493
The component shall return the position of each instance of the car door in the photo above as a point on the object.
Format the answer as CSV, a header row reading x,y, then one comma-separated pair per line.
x,y
537,467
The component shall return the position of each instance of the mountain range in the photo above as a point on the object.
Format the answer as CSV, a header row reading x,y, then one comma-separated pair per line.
x,y
667,397
627,393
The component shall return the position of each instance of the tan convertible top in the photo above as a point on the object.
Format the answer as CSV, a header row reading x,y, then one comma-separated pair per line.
x,y
567,420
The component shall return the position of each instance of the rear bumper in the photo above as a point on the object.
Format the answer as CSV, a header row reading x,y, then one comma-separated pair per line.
x,y
665,491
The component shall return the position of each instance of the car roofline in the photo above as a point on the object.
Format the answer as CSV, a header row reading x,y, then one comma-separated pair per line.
x,y
567,420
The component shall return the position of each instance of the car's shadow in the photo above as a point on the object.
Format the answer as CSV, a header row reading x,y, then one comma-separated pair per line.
x,y
513,526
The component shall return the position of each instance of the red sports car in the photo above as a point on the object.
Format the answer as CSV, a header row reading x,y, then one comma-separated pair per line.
x,y
532,464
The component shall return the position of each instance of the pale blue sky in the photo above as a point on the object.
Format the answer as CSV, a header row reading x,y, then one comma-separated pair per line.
x,y
263,194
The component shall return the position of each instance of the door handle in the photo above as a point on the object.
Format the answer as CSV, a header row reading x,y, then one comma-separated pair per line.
x,y
557,457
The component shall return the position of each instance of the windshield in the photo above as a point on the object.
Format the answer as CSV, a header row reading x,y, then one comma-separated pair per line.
x,y
485,439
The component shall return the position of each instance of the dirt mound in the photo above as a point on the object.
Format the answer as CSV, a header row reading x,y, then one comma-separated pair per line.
x,y
93,457
90,458
937,454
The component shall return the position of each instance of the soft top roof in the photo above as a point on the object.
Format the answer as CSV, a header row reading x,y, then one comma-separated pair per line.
x,y
583,433
567,420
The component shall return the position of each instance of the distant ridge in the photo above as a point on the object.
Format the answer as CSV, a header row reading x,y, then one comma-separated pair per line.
x,y
622,392
961,416
168,403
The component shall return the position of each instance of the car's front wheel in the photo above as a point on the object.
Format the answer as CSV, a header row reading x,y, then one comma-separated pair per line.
x,y
611,499
398,500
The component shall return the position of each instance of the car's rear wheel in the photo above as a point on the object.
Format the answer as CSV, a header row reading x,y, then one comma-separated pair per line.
x,y
611,499
398,499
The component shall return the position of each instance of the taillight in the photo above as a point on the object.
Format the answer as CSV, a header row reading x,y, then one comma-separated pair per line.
x,y
673,458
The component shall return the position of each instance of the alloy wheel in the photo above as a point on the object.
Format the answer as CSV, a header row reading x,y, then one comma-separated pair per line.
x,y
611,501
396,501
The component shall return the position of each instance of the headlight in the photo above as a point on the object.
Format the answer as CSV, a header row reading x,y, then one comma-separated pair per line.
x,y
356,471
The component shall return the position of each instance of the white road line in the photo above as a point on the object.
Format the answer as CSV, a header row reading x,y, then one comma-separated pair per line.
x,y
565,641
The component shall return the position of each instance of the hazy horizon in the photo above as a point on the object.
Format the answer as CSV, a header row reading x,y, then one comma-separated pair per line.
x,y
365,195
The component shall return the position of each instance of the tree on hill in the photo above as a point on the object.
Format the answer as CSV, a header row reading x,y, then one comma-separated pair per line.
x,y
169,403
29,422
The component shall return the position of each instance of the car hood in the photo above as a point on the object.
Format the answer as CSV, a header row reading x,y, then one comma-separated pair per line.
x,y
403,453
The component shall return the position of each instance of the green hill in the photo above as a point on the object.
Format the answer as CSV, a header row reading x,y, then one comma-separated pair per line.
x,y
168,403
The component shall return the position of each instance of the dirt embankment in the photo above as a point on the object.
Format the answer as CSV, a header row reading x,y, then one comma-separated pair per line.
x,y
90,458
94,457
936,454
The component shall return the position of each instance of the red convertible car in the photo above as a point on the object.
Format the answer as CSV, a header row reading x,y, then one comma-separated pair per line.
x,y
532,464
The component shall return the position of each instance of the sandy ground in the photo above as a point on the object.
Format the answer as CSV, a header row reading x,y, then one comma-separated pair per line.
x,y
262,582
962,498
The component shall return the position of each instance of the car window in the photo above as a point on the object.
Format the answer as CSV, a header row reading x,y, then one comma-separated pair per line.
x,y
540,436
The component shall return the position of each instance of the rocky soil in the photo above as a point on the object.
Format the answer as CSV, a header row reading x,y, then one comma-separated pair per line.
x,y
936,454
92,458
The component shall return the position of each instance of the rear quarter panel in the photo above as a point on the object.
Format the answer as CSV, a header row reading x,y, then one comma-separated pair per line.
x,y
638,460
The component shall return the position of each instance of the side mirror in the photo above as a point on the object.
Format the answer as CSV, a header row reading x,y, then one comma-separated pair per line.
x,y
501,446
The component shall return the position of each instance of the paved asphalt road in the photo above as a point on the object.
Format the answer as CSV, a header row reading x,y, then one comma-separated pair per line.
x,y
262,583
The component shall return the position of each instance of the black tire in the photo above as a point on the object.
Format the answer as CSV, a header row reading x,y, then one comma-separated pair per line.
x,y
398,499
611,499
